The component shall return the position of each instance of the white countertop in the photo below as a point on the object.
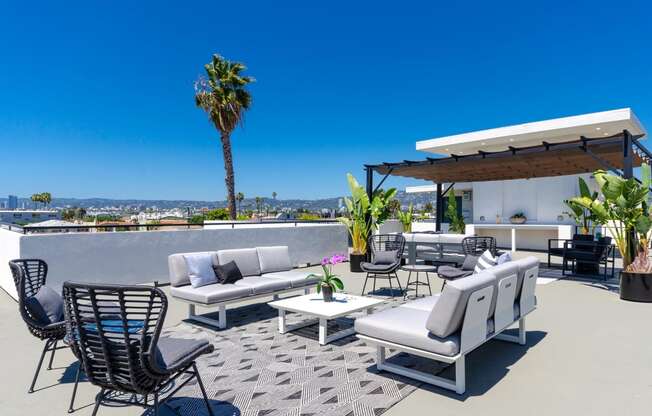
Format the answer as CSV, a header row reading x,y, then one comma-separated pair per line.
x,y
526,225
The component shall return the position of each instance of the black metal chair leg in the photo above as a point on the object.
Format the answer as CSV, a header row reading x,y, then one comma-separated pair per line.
x,y
54,348
374,291
203,391
443,285
398,281
428,281
98,401
156,404
365,284
71,408
391,289
38,368
407,285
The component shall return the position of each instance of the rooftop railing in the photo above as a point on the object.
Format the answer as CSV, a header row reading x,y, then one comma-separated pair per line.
x,y
31,229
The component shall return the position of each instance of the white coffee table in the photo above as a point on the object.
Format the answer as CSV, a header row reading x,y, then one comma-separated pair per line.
x,y
314,305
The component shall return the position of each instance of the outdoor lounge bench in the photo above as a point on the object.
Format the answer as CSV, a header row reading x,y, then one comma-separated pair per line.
x,y
266,271
446,327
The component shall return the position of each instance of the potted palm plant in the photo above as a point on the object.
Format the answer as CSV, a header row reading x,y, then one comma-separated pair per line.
x,y
329,282
624,211
364,217
582,216
406,218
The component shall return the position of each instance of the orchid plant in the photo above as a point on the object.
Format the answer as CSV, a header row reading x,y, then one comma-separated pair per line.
x,y
329,279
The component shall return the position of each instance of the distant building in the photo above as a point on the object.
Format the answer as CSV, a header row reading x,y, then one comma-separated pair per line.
x,y
28,216
12,202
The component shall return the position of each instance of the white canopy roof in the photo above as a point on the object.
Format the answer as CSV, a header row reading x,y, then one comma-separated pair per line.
x,y
593,125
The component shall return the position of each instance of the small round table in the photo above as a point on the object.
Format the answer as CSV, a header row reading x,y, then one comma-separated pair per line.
x,y
418,268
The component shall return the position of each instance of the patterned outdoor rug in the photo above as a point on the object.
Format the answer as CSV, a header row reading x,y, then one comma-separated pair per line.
x,y
255,371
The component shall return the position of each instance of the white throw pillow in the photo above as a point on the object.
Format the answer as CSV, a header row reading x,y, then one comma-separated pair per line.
x,y
485,261
200,269
504,258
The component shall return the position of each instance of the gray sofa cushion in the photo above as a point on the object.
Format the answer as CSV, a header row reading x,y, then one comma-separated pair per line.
x,y
46,307
245,258
450,272
297,278
448,314
379,268
426,303
172,353
524,265
200,269
500,271
211,293
261,285
179,271
406,326
469,262
274,259
386,257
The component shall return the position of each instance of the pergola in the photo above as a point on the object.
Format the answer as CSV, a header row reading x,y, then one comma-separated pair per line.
x,y
543,149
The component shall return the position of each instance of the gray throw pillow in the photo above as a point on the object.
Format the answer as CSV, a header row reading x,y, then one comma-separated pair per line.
x,y
46,307
469,262
200,269
385,257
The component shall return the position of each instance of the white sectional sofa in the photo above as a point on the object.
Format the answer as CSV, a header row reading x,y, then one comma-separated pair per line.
x,y
446,327
266,271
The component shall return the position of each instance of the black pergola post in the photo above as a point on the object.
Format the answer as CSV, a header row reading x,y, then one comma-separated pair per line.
x,y
370,181
439,206
628,171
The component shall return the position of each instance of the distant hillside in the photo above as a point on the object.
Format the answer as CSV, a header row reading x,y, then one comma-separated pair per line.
x,y
309,204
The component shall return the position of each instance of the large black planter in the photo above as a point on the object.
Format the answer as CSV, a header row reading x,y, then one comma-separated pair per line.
x,y
355,260
636,287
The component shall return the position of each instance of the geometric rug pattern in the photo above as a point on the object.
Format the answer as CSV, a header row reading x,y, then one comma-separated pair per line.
x,y
255,371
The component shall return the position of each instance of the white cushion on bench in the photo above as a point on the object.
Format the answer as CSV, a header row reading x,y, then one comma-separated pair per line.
x,y
178,269
406,326
211,293
448,313
261,285
245,258
274,259
296,277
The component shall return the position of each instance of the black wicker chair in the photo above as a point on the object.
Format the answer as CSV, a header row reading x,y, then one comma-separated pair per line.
x,y
471,246
475,246
29,276
116,332
391,246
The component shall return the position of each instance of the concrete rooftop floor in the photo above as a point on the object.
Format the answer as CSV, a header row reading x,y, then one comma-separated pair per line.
x,y
587,352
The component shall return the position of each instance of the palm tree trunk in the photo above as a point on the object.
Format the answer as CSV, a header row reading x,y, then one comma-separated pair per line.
x,y
229,178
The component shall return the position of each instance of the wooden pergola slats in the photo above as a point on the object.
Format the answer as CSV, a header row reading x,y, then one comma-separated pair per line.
x,y
585,155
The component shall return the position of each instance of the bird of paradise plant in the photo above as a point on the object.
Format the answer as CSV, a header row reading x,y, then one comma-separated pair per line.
x,y
365,215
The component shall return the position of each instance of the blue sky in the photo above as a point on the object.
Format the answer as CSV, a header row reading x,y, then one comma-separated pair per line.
x,y
97,99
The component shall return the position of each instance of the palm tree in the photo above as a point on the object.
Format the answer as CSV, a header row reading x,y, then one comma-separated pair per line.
x,y
259,204
239,197
274,195
223,95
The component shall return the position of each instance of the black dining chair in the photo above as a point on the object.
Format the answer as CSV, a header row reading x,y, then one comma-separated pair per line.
x,y
116,330
29,277
386,253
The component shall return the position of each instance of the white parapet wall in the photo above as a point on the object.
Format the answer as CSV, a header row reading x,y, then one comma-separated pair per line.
x,y
135,257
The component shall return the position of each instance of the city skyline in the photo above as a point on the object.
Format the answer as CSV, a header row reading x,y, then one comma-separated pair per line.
x,y
117,119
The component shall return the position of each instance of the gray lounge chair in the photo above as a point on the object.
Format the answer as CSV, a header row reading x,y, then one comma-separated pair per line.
x,y
469,312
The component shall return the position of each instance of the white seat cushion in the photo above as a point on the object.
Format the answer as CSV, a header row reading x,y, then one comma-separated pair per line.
x,y
297,278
